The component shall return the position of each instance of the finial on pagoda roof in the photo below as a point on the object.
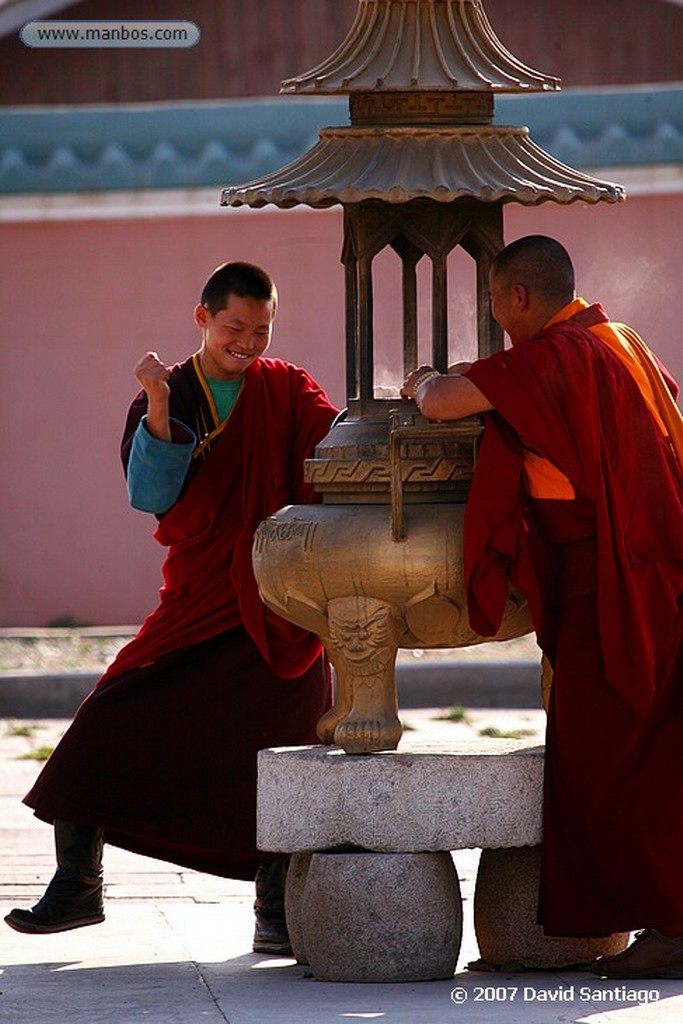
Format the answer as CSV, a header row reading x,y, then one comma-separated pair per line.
x,y
420,45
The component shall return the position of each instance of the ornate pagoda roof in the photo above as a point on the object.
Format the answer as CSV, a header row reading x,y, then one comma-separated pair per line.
x,y
397,165
420,44
421,77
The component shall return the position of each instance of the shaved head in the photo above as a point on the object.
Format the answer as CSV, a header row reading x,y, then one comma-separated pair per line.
x,y
539,263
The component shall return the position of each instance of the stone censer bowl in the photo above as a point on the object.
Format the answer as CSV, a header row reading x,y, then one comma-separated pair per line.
x,y
382,567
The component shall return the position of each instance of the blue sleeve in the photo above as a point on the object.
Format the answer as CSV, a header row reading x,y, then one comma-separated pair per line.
x,y
157,469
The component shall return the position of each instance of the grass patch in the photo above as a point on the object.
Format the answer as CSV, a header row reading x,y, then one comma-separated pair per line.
x,y
407,727
39,754
21,730
502,734
454,714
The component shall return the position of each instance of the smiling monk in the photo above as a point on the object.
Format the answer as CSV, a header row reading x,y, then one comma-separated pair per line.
x,y
161,757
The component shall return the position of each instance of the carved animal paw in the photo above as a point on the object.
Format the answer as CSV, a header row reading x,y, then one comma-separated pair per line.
x,y
366,736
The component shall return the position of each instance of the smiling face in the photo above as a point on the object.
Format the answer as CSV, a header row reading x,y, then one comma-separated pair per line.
x,y
234,337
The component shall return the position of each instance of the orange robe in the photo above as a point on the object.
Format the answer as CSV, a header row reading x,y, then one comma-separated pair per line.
x,y
543,479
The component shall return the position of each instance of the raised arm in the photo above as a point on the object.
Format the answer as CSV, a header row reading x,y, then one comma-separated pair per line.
x,y
161,448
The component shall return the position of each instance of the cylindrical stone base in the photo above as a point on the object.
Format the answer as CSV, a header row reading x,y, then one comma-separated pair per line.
x,y
381,917
297,873
505,909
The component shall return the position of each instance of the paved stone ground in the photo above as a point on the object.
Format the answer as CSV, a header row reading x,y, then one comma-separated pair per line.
x,y
176,945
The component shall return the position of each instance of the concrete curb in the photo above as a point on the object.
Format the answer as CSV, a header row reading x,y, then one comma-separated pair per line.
x,y
474,684
470,684
39,695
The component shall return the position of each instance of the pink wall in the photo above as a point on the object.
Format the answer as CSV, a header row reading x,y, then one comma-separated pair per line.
x,y
82,300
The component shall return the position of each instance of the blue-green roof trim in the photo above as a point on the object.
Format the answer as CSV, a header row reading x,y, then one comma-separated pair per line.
x,y
184,145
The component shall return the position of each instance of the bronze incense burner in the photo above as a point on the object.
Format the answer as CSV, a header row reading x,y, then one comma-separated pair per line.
x,y
422,169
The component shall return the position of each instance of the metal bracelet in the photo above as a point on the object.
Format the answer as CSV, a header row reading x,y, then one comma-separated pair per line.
x,y
427,375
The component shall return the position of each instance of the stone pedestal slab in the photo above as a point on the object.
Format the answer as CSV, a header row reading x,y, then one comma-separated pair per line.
x,y
429,796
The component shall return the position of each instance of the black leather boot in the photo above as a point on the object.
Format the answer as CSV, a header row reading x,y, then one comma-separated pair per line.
x,y
74,896
271,935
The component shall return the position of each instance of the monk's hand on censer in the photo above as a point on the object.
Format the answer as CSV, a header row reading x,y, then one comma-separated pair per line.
x,y
414,379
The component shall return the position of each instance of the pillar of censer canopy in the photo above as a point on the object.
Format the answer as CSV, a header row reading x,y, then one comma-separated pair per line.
x,y
413,230
422,169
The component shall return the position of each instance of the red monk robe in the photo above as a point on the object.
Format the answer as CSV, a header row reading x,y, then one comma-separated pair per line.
x,y
603,572
162,754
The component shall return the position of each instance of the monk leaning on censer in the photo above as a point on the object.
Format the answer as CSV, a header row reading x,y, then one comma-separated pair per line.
x,y
577,498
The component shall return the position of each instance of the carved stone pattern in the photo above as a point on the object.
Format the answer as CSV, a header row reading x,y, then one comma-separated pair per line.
x,y
332,471
272,532
433,472
329,471
416,108
367,631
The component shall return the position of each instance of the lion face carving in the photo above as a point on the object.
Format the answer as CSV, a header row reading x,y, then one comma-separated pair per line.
x,y
365,631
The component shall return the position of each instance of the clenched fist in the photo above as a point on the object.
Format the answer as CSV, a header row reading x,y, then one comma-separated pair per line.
x,y
153,376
